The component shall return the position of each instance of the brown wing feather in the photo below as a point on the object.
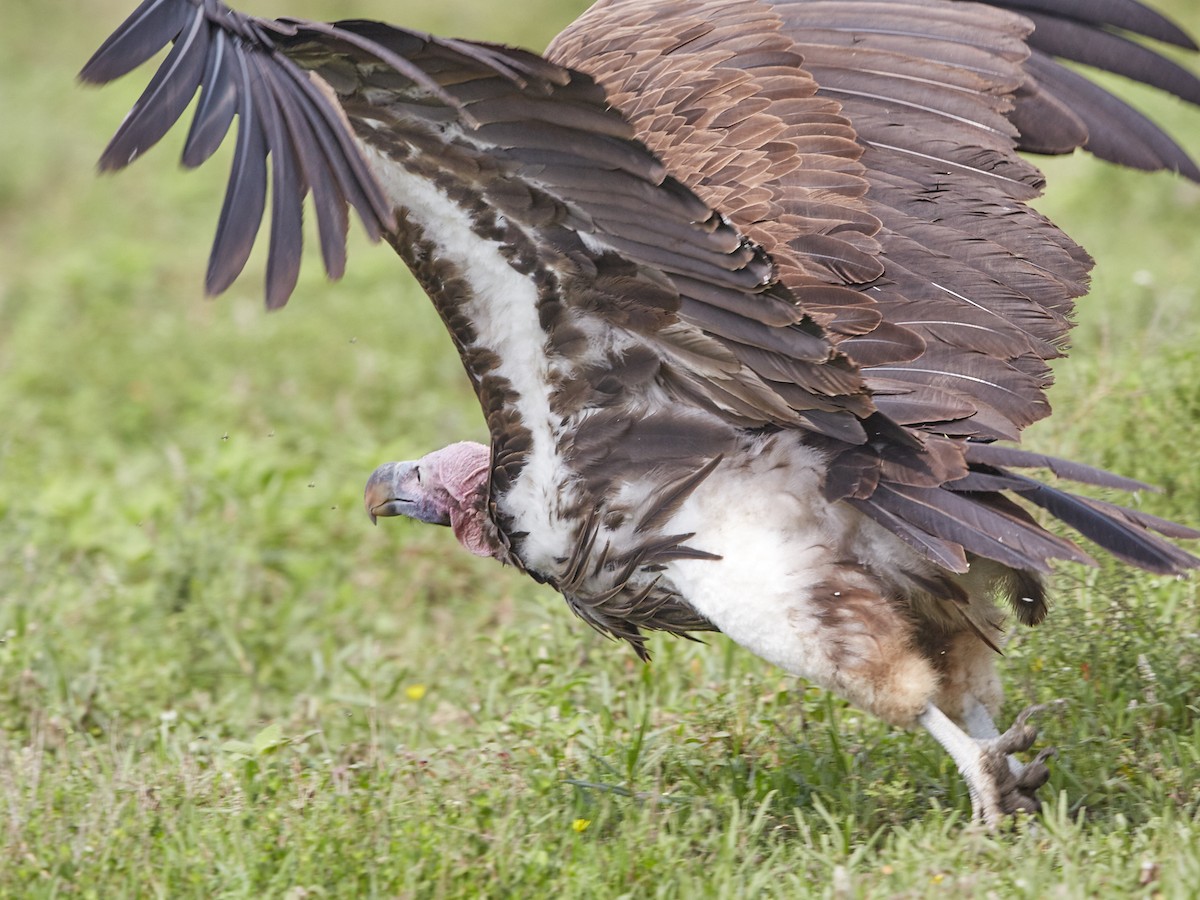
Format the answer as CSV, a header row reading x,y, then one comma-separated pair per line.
x,y
587,168
538,142
968,291
835,197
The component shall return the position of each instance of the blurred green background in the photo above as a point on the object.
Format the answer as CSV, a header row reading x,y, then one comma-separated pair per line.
x,y
216,678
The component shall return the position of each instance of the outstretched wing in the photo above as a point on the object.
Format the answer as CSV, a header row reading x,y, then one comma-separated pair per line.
x,y
544,150
613,324
854,134
283,115
815,299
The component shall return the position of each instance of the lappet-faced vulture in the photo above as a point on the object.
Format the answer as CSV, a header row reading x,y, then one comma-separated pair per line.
x,y
749,292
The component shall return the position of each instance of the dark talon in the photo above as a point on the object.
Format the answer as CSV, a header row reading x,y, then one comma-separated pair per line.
x,y
1018,790
1037,773
1017,739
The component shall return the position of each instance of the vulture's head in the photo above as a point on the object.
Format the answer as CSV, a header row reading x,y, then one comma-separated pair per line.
x,y
446,487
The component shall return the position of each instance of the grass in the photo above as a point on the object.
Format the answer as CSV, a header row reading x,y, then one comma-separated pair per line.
x,y
217,681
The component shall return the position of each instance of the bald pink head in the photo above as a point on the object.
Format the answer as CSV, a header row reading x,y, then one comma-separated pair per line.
x,y
446,487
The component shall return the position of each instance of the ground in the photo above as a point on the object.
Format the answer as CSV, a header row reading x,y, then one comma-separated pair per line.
x,y
217,679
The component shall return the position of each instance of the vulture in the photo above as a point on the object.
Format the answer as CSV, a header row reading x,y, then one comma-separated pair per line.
x,y
750,293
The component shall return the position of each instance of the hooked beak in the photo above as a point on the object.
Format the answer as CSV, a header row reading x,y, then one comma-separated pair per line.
x,y
395,490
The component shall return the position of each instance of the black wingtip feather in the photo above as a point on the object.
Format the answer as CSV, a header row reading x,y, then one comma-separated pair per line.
x,y
1113,53
287,197
164,100
1051,108
246,194
217,106
320,158
1127,15
1117,132
148,29
235,59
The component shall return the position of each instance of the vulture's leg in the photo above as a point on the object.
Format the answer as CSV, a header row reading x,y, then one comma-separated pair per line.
x,y
970,690
978,720
982,727
996,790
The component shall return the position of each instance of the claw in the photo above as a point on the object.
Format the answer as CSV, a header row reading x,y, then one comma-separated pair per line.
x,y
1017,785
1036,773
1000,786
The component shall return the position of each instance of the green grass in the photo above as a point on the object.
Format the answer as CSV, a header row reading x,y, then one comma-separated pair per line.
x,y
216,680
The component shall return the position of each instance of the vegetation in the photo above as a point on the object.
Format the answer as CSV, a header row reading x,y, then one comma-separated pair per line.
x,y
216,680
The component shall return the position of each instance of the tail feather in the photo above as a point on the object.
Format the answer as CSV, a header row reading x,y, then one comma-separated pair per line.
x,y
1145,520
975,515
1124,533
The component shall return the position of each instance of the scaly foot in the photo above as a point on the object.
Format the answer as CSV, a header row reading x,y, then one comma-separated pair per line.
x,y
999,785
1015,785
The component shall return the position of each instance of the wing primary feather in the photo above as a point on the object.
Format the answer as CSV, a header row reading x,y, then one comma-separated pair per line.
x,y
345,163
164,100
333,226
1113,53
1116,131
245,194
217,106
139,37
1128,15
283,114
328,200
288,188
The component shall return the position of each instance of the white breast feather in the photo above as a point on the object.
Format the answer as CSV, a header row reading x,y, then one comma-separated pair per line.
x,y
778,539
